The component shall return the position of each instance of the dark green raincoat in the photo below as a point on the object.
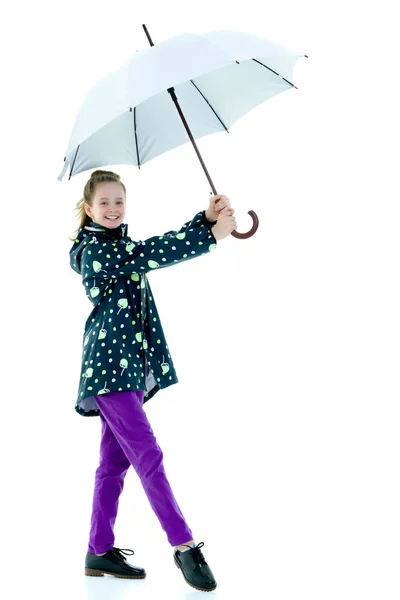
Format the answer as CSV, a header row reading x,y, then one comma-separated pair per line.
x,y
124,347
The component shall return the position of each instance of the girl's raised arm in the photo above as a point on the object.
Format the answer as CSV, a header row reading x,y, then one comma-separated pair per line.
x,y
119,260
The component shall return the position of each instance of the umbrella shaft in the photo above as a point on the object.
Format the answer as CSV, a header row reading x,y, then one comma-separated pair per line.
x,y
175,99
148,35
171,90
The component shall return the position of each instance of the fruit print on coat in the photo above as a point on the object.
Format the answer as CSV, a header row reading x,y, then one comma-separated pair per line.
x,y
124,346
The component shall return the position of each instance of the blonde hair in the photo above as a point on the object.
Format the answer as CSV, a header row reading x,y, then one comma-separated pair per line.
x,y
96,177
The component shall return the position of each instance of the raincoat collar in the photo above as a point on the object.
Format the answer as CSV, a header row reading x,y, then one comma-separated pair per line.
x,y
100,230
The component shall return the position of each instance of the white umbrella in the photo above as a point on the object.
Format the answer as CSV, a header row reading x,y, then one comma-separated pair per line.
x,y
219,76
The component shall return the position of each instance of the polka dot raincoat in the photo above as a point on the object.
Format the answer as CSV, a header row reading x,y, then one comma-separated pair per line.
x,y
124,347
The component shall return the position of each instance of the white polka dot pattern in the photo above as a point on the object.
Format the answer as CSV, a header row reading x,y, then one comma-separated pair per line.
x,y
124,346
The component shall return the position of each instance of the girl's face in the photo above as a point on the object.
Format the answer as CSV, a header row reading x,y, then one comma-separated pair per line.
x,y
108,202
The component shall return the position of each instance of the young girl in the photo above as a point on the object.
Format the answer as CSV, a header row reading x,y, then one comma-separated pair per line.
x,y
126,361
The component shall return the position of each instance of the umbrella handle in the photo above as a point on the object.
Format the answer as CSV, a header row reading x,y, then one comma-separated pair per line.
x,y
243,236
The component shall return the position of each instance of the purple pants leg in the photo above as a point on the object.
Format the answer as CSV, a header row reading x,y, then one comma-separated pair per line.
x,y
128,439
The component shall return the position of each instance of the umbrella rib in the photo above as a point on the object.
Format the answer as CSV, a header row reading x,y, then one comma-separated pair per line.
x,y
134,125
72,168
287,81
222,123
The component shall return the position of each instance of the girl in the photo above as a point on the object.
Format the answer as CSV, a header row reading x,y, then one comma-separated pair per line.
x,y
125,362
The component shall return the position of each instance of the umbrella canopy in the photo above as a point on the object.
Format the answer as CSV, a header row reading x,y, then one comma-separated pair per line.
x,y
128,118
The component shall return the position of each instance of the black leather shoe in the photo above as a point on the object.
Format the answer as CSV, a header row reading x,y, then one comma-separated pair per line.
x,y
112,563
194,568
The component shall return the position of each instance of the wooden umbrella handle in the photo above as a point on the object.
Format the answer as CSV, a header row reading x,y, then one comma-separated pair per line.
x,y
243,236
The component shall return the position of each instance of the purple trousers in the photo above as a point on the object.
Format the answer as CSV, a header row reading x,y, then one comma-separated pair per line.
x,y
128,439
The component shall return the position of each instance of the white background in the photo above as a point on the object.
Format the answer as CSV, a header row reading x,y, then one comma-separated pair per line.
x,y
281,438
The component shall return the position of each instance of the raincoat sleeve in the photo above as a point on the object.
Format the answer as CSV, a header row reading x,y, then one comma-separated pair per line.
x,y
193,239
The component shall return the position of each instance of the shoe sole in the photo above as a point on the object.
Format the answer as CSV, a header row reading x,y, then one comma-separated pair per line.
x,y
191,584
98,573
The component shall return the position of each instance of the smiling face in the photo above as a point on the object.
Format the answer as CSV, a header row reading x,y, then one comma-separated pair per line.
x,y
108,201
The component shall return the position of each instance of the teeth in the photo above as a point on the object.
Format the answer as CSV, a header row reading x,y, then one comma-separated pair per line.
x,y
113,218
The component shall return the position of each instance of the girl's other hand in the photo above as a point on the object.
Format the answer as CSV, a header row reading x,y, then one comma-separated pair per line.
x,y
225,225
217,204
